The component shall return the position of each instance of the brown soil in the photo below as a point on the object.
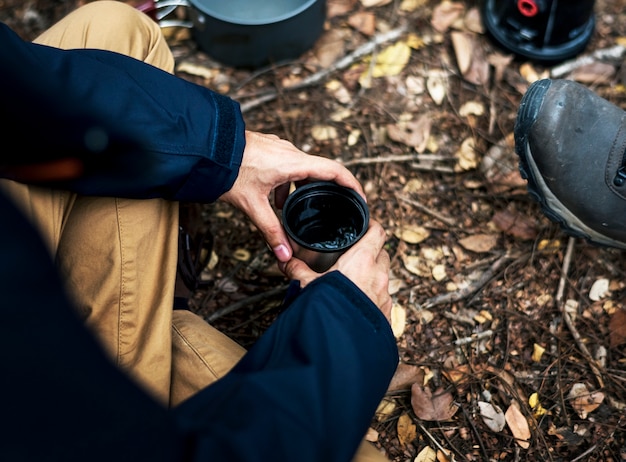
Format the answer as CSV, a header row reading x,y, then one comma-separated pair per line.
x,y
486,287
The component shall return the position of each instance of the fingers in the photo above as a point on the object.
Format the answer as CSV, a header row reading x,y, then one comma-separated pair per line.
x,y
269,225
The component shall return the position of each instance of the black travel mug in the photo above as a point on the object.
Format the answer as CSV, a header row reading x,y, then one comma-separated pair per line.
x,y
542,30
323,220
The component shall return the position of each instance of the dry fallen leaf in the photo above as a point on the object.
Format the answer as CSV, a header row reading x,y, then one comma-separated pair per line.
x,y
411,234
470,57
398,319
323,132
364,22
432,406
479,242
437,86
407,430
515,224
538,352
466,156
518,425
427,454
371,3
414,133
405,376
385,408
617,328
339,7
445,14
599,289
492,416
583,401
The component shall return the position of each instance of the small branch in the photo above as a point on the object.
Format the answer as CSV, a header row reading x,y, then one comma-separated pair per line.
x,y
448,221
342,63
568,319
245,302
474,338
614,53
470,289
392,159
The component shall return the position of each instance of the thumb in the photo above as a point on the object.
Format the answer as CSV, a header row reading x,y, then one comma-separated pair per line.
x,y
295,269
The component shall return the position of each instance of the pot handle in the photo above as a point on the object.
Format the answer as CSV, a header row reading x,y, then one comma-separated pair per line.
x,y
159,9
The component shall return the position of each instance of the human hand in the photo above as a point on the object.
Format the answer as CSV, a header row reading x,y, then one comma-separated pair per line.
x,y
366,264
269,165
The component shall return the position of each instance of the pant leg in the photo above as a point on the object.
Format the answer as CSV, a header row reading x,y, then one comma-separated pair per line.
x,y
202,354
117,256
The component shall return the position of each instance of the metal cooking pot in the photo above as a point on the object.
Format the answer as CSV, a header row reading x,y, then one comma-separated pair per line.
x,y
248,33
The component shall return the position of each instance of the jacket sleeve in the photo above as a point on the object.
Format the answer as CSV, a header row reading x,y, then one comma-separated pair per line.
x,y
141,132
308,389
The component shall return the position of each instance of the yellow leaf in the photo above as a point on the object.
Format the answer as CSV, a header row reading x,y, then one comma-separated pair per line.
x,y
392,60
535,405
538,352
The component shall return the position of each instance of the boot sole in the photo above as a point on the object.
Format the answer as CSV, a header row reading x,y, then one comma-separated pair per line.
x,y
550,205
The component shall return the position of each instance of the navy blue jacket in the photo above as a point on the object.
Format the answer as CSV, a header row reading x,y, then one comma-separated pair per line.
x,y
305,391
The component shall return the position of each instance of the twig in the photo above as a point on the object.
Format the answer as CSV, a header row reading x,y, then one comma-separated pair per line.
x,y
247,301
470,289
391,159
473,338
448,221
566,316
614,53
342,63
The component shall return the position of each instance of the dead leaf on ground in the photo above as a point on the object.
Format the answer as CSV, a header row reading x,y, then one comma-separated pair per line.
x,y
445,14
339,7
595,73
617,328
411,234
414,133
515,224
470,58
479,242
331,46
364,22
405,376
398,319
492,415
437,85
518,425
407,430
584,401
373,3
432,406
427,454
466,156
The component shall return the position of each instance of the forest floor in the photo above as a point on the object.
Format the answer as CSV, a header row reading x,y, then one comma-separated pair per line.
x,y
512,335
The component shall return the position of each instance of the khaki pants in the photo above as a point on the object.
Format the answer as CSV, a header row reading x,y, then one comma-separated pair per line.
x,y
118,256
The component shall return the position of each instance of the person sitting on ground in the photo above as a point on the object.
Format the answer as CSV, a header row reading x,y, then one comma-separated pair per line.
x,y
571,145
102,142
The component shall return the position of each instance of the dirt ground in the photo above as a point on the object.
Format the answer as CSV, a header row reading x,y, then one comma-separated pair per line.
x,y
512,335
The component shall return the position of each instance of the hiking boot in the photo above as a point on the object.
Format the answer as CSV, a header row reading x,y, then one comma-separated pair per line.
x,y
571,145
